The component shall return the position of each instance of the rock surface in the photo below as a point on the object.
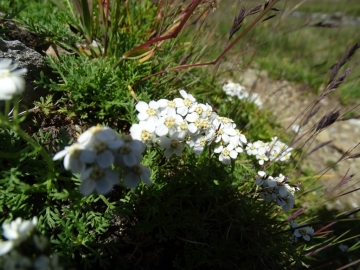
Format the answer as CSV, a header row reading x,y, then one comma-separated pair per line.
x,y
289,102
33,61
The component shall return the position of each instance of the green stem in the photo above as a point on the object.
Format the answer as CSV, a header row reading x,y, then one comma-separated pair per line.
x,y
17,129
7,107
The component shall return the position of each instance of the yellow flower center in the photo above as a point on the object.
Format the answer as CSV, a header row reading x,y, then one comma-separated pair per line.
x,y
199,110
183,126
171,104
151,112
175,144
169,122
187,102
145,136
225,153
97,174
100,146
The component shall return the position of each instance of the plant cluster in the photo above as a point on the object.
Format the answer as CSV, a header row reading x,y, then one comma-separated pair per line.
x,y
125,62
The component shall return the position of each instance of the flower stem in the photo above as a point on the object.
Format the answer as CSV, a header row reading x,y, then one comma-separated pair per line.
x,y
17,129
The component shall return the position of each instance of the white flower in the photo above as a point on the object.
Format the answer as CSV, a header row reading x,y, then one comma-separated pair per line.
x,y
101,180
144,131
76,157
196,111
296,128
183,105
11,82
227,154
251,149
255,98
148,112
305,232
286,202
97,138
198,144
167,107
167,125
182,130
128,152
16,232
134,174
262,157
261,176
225,132
233,89
171,146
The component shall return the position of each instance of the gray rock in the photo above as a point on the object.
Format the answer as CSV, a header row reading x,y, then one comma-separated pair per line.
x,y
30,59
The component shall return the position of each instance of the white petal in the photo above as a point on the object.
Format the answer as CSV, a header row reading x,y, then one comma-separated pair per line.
x,y
233,154
182,111
60,154
114,145
73,164
153,104
5,247
103,185
161,130
143,116
183,93
192,117
164,142
87,187
105,159
141,106
130,160
131,180
87,156
297,233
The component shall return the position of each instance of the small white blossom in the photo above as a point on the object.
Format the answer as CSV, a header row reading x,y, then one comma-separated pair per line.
x,y
148,112
167,125
135,174
128,152
11,81
183,105
144,131
305,232
16,232
76,157
101,180
227,154
97,138
171,145
167,107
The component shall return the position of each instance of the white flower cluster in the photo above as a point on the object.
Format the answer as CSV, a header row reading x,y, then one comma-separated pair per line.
x,y
276,189
172,124
236,90
11,81
272,151
97,155
303,232
13,256
16,232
